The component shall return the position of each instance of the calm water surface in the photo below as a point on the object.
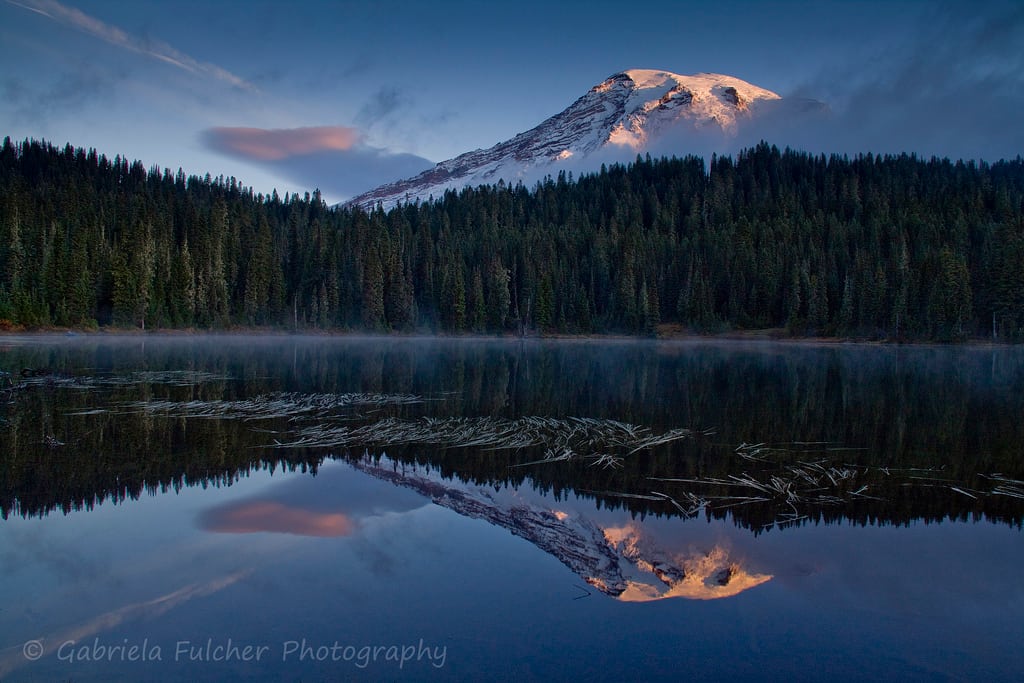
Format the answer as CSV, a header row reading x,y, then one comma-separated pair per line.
x,y
285,508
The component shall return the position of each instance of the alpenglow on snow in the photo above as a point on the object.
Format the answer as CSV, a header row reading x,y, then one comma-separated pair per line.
x,y
626,114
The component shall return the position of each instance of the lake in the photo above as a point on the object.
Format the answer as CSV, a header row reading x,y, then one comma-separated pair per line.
x,y
322,508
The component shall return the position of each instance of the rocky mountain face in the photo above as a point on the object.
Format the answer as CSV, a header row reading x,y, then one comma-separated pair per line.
x,y
620,561
625,114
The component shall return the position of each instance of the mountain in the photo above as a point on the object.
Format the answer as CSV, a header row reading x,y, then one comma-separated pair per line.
x,y
623,561
623,115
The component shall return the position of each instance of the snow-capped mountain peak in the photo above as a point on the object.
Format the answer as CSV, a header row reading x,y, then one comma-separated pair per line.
x,y
626,113
624,562
658,98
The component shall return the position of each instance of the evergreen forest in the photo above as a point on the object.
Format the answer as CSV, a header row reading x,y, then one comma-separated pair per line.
x,y
876,247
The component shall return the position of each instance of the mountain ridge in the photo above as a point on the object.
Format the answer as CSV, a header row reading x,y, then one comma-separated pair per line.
x,y
623,114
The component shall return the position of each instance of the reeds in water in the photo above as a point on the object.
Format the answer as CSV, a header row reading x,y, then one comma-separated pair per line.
x,y
604,443
284,405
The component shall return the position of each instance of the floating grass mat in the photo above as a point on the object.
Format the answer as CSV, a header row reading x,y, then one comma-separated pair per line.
x,y
179,378
1004,486
604,442
797,487
175,378
771,453
284,405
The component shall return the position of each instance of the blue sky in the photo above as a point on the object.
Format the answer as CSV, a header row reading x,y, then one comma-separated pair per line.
x,y
346,95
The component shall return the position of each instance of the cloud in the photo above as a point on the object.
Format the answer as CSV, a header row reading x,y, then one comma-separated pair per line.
x,y
255,516
153,49
68,565
104,622
345,174
335,159
338,504
381,105
259,144
72,91
955,88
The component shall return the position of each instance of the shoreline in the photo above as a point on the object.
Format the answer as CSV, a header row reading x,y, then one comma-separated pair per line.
x,y
666,333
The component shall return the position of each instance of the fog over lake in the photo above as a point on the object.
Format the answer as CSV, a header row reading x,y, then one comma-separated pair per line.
x,y
319,508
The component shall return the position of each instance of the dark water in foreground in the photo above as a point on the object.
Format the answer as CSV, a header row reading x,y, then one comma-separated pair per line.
x,y
320,509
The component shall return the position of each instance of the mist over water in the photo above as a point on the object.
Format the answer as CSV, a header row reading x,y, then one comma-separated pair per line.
x,y
809,505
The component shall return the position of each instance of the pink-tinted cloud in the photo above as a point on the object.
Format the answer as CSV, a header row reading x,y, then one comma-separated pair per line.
x,y
256,516
260,144
334,159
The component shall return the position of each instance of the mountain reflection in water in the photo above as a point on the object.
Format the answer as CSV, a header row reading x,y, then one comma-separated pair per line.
x,y
515,501
624,562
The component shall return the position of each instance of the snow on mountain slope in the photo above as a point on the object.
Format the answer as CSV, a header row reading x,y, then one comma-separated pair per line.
x,y
625,561
626,113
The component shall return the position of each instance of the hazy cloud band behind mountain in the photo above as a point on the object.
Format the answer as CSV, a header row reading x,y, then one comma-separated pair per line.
x,y
334,159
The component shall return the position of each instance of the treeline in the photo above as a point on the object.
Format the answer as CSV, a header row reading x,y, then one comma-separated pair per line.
x,y
883,247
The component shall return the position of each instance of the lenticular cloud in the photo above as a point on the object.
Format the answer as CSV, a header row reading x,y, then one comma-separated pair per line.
x,y
261,144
